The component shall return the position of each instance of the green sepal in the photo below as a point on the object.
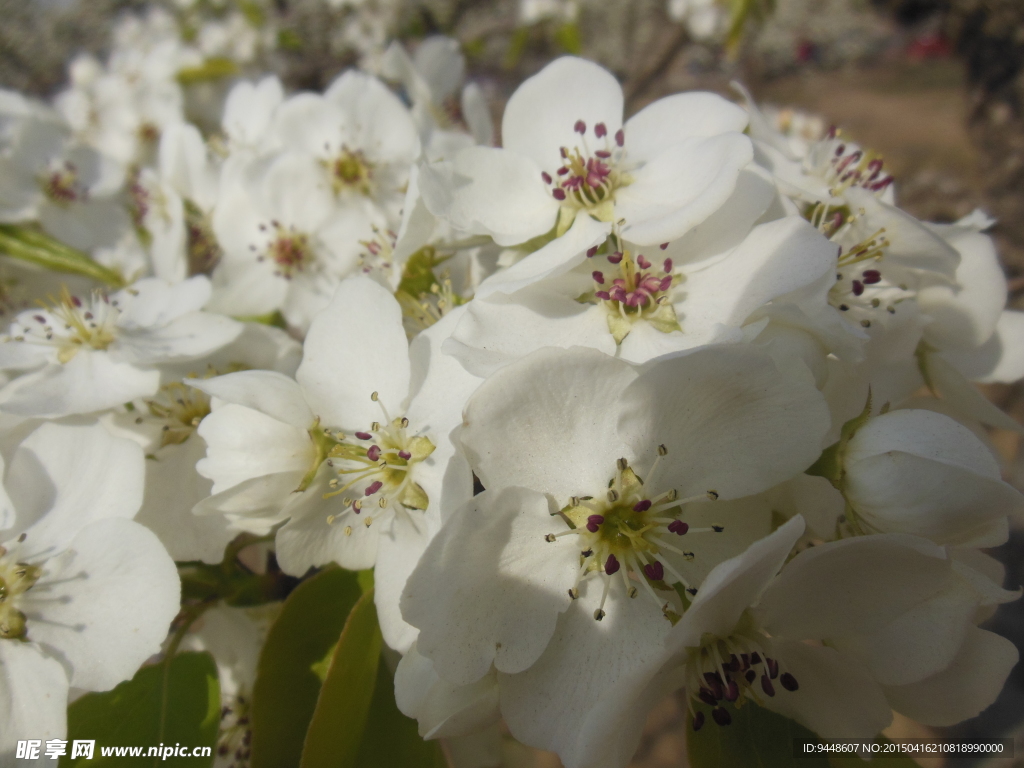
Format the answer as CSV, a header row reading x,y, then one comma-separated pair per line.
x,y
830,464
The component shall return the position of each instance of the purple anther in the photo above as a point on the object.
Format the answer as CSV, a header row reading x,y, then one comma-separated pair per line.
x,y
616,257
546,176
858,288
591,252
755,658
667,265
707,697
721,716
373,487
620,137
562,171
732,691
642,505
580,127
598,277
766,686
558,194
363,435
40,319
76,301
373,453
404,455
603,295
594,522
600,130
840,149
789,682
678,527
654,571
611,565
750,675
698,721
714,681
643,262
773,668
663,246
604,154
871,276
666,283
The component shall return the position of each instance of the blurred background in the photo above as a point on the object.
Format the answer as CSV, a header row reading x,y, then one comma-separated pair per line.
x,y
936,86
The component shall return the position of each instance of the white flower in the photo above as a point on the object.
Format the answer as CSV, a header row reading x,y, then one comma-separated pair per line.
x,y
847,632
88,594
642,303
286,243
249,112
566,152
356,455
361,136
916,471
85,355
567,531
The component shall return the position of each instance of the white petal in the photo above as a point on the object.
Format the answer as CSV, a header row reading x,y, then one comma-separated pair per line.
x,y
443,710
500,330
965,688
540,116
243,444
965,315
548,423
197,334
398,552
105,604
730,422
682,187
677,117
253,505
734,586
355,347
323,531
774,259
64,477
487,191
380,125
554,259
547,705
489,588
837,698
33,697
268,392
1000,358
953,387
90,381
853,586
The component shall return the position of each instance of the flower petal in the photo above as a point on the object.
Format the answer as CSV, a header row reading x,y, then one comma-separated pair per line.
x,y
547,422
33,697
489,588
680,116
268,392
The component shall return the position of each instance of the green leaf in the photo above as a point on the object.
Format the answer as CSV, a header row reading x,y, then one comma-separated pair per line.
x,y
336,730
36,247
756,738
177,702
390,737
286,689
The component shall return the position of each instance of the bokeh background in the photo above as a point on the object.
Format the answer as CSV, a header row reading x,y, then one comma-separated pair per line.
x,y
936,86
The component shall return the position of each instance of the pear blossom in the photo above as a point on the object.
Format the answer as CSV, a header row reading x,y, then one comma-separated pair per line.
x,y
361,136
847,632
355,455
88,593
82,355
601,487
640,303
566,151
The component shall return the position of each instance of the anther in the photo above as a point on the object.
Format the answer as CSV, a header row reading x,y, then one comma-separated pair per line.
x,y
620,137
717,528
591,252
642,505
611,565
721,716
713,495
574,593
622,464
662,450
363,435
600,130
766,686
654,571
616,257
678,527
613,495
550,537
698,721
580,127
373,487
599,614
594,522
789,682
373,454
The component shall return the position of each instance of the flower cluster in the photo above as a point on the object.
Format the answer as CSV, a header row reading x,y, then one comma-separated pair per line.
x,y
618,407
